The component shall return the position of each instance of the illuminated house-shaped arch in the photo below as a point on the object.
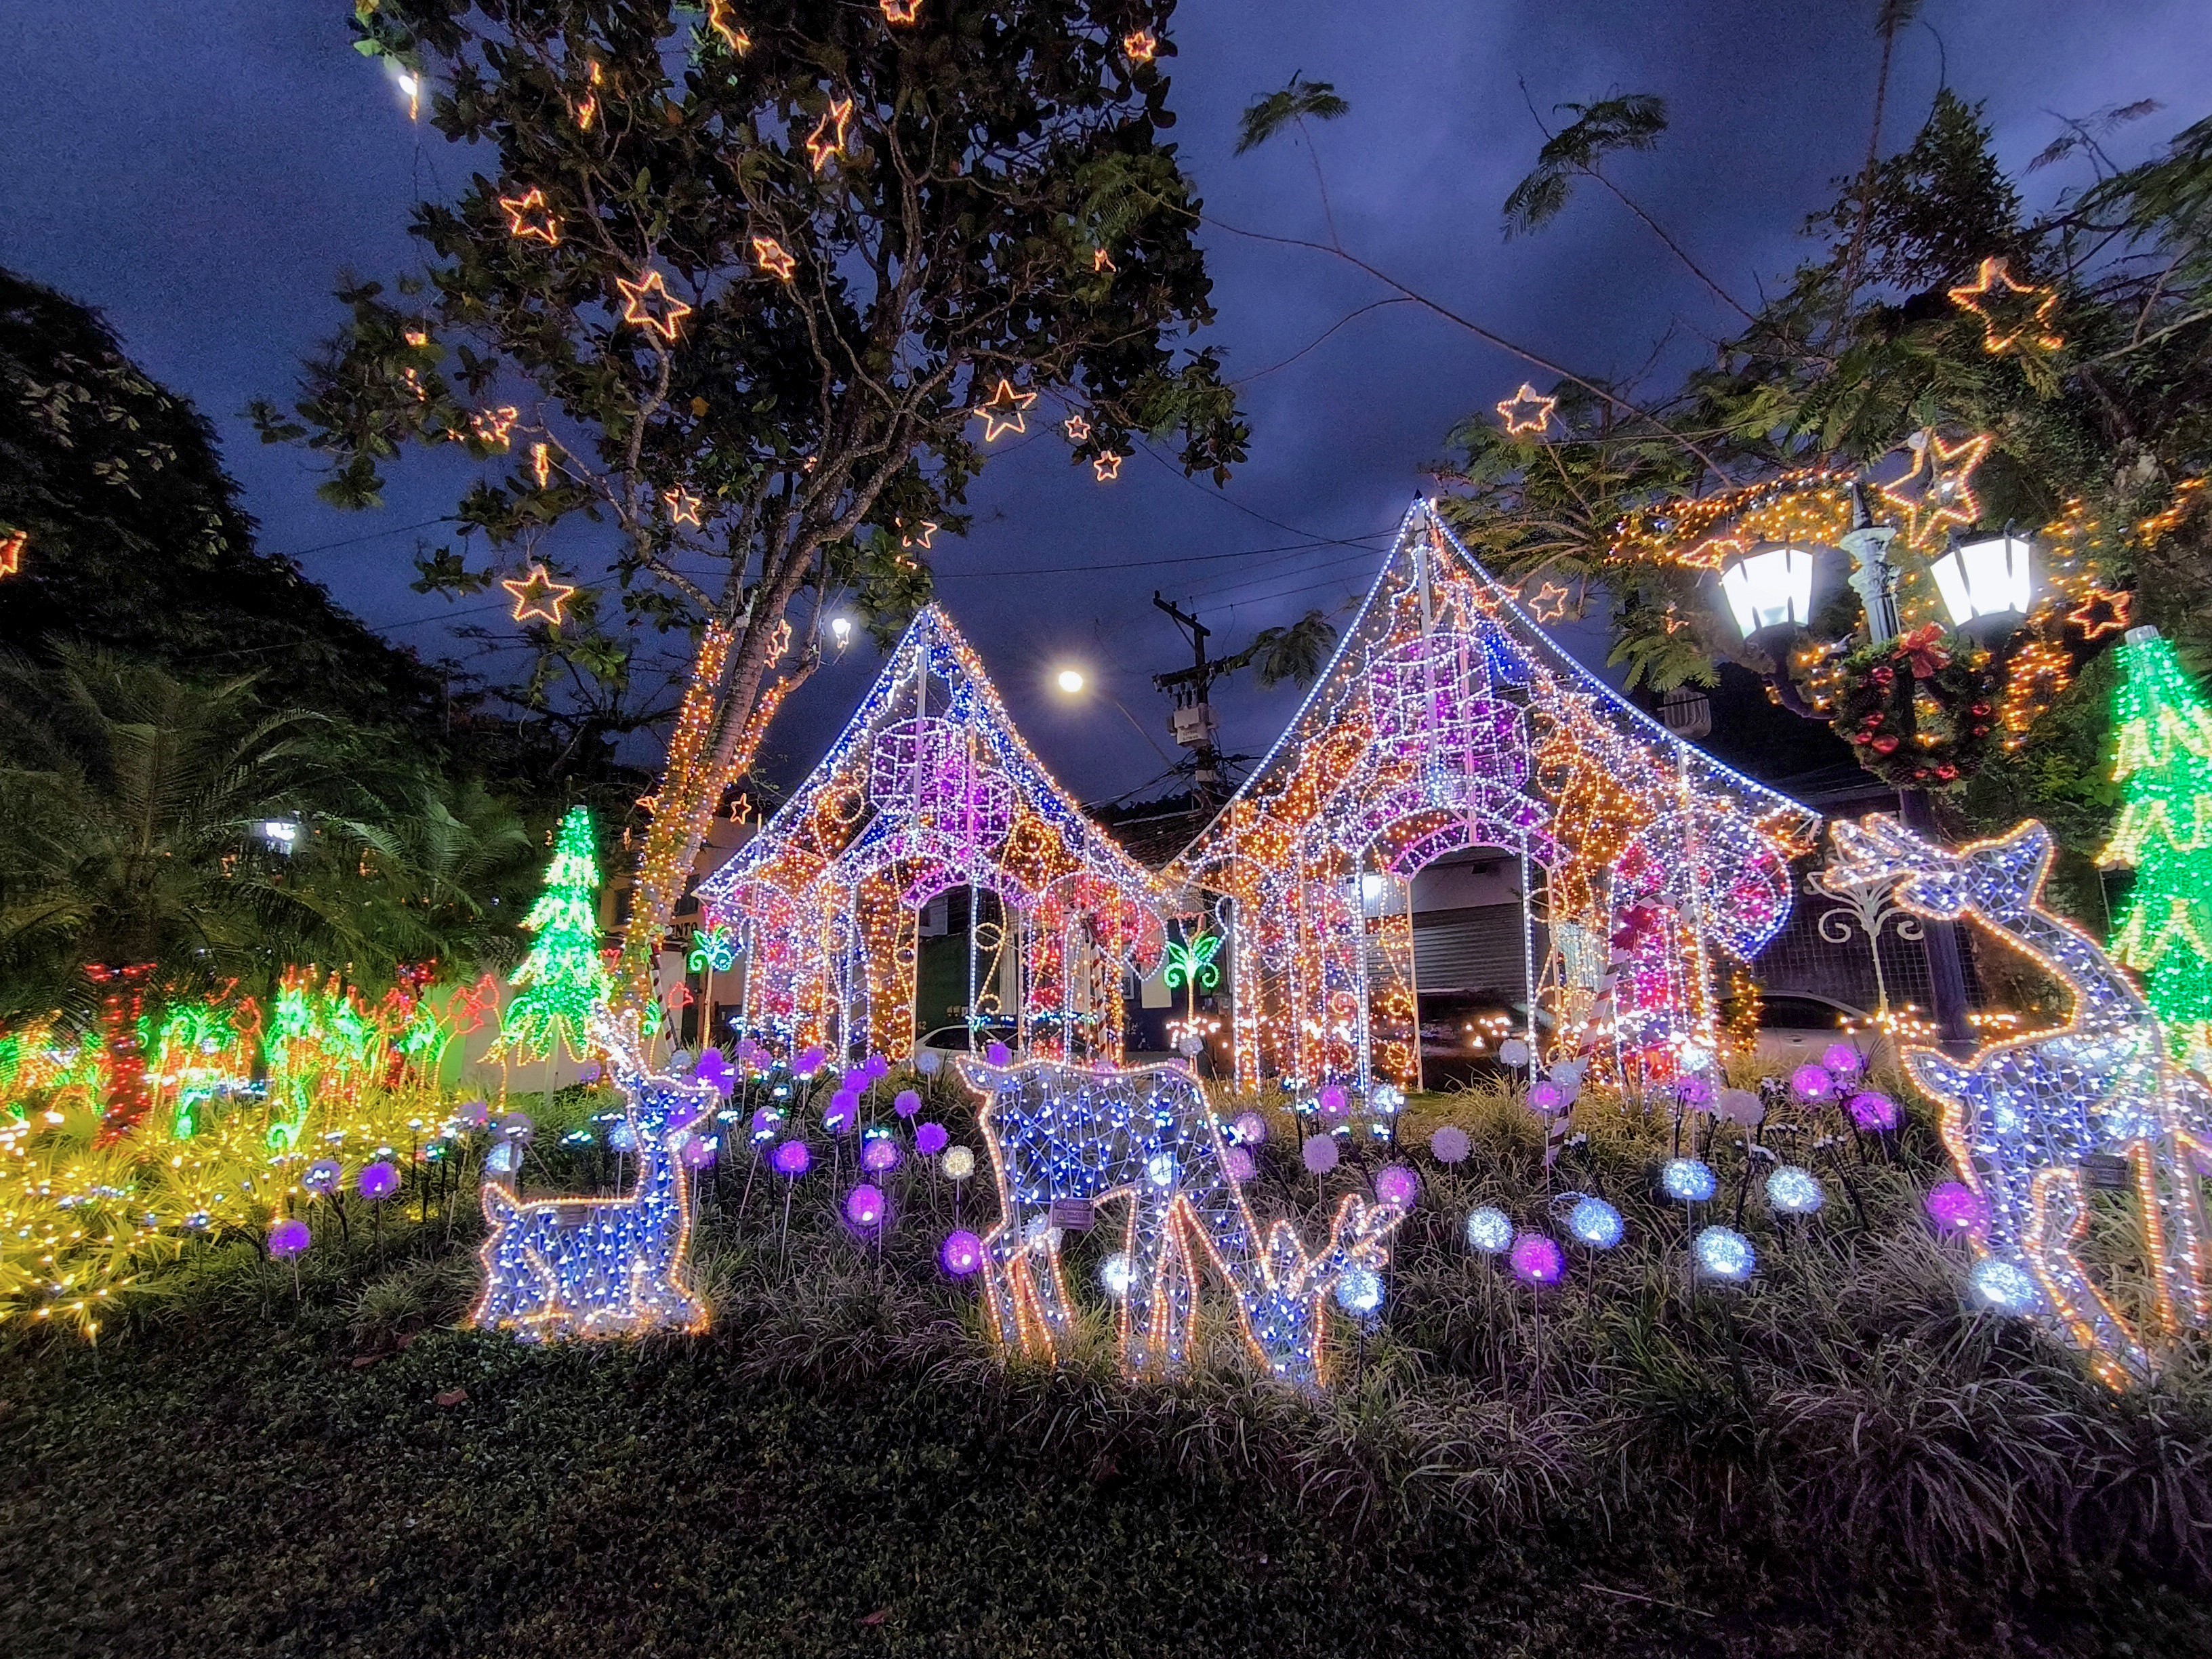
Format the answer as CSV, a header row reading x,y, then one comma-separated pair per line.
x,y
1448,720
930,787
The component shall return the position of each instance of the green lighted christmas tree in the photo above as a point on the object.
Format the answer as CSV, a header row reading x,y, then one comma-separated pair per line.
x,y
563,979
2164,765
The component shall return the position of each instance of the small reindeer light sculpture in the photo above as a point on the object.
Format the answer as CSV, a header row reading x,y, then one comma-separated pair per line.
x,y
2022,1117
599,1267
1144,1137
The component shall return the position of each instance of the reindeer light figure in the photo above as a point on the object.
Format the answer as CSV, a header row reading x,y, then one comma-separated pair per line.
x,y
600,1267
2022,1117
1144,1137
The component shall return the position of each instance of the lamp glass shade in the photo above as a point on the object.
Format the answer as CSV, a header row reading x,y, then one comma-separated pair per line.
x,y
1770,589
1987,578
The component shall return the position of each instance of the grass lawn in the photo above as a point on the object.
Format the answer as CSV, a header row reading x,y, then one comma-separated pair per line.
x,y
1838,1462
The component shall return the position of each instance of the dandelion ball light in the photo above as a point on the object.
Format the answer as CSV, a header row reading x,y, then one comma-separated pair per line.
x,y
1360,1292
1251,1129
1396,1184
931,1138
1538,1261
1513,1052
1873,1111
1239,1164
864,1207
1724,1253
792,1159
961,1253
1794,1189
1953,1206
1596,1224
1334,1102
958,1164
1812,1082
324,1176
288,1238
1450,1145
2004,1287
1490,1230
378,1181
907,1102
879,1154
1689,1180
1546,1097
1842,1062
1319,1154
1115,1275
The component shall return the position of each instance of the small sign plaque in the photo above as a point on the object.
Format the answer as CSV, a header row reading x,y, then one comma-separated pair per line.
x,y
1072,1215
2108,1174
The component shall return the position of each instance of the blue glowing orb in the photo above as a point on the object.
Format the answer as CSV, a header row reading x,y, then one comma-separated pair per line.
x,y
1595,1223
1794,1190
2004,1287
1689,1180
1724,1253
1490,1231
1359,1291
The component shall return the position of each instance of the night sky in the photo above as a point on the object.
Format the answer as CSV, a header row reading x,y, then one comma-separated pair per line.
x,y
201,173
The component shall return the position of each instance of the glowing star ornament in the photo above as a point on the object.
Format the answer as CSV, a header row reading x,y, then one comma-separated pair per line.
x,y
1077,428
925,534
1145,1139
2101,612
772,257
536,594
1526,412
722,19
11,551
1549,604
529,219
493,426
1005,410
602,1267
683,505
1107,466
1945,498
648,305
901,13
1141,45
2015,315
827,141
2023,1117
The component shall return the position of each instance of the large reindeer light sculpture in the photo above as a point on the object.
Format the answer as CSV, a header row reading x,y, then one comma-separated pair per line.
x,y
1145,1137
2023,1117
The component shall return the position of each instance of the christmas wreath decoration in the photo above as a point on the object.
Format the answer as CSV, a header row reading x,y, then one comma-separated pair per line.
x,y
1922,709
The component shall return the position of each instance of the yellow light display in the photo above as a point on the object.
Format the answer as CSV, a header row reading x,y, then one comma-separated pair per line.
x,y
528,217
827,141
536,594
648,305
774,259
1526,412
2013,313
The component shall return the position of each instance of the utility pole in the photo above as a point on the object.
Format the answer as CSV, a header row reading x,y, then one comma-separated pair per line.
x,y
1192,723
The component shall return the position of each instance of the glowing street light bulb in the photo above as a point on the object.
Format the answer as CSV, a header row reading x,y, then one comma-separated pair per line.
x,y
840,630
1070,680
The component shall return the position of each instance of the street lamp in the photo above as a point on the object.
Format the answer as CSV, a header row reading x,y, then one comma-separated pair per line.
x,y
1070,680
1987,580
1770,589
840,630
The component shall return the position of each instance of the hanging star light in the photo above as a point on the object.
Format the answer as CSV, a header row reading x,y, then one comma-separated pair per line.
x,y
1077,428
650,306
920,538
682,505
772,258
536,594
11,551
902,11
1107,466
492,425
1002,411
1945,473
1525,412
1141,44
587,109
1550,604
2013,313
1102,260
527,216
718,20
827,141
541,463
2101,612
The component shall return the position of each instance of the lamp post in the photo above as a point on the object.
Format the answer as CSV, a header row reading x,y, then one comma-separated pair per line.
x,y
1988,584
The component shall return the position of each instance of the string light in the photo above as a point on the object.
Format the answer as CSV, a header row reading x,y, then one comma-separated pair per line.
x,y
528,217
2027,309
1526,412
602,1267
773,259
536,594
1004,411
721,20
901,11
493,426
1142,46
2101,612
827,141
1102,260
12,545
650,306
1946,499
1550,604
587,109
1145,1137
683,505
1077,428
541,463
2021,1116
562,981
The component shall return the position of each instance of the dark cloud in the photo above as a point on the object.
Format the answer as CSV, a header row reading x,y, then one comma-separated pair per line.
x,y
203,173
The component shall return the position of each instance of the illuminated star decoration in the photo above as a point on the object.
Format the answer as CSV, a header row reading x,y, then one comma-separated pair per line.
x,y
682,505
902,11
1077,429
1945,473
1142,46
1002,411
536,594
1524,411
1102,260
1550,603
920,538
650,306
527,215
541,463
772,258
491,426
2013,313
2101,612
1673,620
588,110
827,141
418,338
11,551
718,19
1107,466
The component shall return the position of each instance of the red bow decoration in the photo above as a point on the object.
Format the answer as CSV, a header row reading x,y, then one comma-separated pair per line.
x,y
1922,647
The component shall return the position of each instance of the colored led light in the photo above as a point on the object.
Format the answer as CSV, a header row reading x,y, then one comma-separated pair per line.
x,y
1490,1230
1723,1253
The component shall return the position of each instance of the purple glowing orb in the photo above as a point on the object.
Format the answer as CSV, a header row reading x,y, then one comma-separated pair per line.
x,y
1812,1082
1537,1260
1842,1062
1320,1153
961,1253
324,1176
700,1151
809,1063
289,1239
908,1102
931,1138
1251,1129
792,1159
844,1113
864,1207
1333,1101
1872,1112
1239,1165
879,1154
1547,1098
1450,1145
1396,1184
1953,1207
378,1181
998,1055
